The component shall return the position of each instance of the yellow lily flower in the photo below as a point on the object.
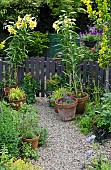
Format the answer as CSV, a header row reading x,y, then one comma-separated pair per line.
x,y
32,24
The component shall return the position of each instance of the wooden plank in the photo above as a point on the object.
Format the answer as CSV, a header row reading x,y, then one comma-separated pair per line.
x,y
97,73
53,66
42,76
20,74
37,68
102,83
7,73
27,66
1,70
47,68
32,66
84,73
91,74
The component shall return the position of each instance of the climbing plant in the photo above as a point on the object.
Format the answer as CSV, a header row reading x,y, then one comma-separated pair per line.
x,y
102,18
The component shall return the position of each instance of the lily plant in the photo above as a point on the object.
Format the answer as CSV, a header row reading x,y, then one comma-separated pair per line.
x,y
71,54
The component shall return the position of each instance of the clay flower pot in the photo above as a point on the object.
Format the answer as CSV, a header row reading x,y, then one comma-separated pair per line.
x,y
7,89
55,108
17,103
81,103
67,111
34,141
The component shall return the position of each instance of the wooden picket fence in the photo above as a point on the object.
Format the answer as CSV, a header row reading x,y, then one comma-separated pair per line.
x,y
42,69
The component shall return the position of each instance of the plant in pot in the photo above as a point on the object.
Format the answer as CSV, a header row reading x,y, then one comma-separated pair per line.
x,y
27,124
91,37
16,97
66,107
59,93
71,56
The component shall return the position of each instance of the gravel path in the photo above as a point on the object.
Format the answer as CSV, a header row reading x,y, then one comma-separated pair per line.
x,y
66,147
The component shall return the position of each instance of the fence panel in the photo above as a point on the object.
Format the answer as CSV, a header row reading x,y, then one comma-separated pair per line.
x,y
42,69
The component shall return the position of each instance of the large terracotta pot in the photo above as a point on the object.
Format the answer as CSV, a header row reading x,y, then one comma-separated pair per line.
x,y
67,111
7,89
55,108
17,103
34,141
81,103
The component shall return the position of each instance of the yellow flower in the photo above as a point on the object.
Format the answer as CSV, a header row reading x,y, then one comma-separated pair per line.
x,y
2,45
106,28
27,17
23,24
55,26
18,24
32,24
19,19
11,30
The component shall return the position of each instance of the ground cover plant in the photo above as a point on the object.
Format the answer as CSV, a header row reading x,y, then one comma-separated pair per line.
x,y
14,125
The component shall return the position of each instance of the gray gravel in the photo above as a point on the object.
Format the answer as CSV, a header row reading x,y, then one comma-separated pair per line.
x,y
66,147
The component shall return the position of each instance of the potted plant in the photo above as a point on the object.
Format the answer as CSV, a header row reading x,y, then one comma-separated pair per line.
x,y
17,96
71,55
91,37
66,107
27,124
59,93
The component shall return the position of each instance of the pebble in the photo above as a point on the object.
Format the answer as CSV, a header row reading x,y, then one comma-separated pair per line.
x,y
66,147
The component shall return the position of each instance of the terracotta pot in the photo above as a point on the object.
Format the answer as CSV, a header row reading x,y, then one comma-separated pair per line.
x,y
34,141
55,108
90,43
7,89
17,103
81,103
67,111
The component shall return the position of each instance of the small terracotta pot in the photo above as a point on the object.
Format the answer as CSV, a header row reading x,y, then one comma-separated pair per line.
x,y
67,111
34,141
18,103
7,89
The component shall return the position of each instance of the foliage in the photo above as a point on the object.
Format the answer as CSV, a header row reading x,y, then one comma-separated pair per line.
x,y
71,54
26,121
105,111
85,125
19,36
90,54
55,82
99,162
102,19
31,86
10,9
65,100
43,135
28,152
59,93
8,133
69,6
93,34
38,44
16,94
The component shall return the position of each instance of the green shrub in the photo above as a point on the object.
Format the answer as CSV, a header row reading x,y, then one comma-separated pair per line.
x,y
85,125
38,44
28,152
8,134
31,86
